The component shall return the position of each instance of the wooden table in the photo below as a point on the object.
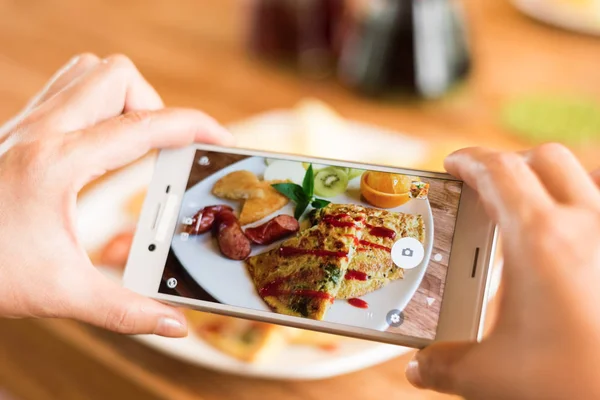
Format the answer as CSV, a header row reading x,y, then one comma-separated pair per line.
x,y
193,53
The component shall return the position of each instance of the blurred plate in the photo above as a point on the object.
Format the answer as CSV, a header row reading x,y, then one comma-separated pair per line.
x,y
102,214
583,17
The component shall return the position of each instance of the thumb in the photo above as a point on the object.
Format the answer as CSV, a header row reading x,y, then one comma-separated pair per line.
x,y
100,302
437,367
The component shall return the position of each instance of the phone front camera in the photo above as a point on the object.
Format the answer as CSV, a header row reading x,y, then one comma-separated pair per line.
x,y
152,247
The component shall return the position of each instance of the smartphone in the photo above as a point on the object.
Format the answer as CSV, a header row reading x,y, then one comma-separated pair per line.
x,y
373,252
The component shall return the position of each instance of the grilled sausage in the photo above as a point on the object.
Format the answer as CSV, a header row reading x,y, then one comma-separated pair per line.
x,y
273,230
232,241
204,219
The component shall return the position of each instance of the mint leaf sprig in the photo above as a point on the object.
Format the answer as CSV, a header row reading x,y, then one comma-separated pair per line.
x,y
302,195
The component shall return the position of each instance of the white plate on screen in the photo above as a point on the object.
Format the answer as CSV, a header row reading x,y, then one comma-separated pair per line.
x,y
202,259
101,215
575,17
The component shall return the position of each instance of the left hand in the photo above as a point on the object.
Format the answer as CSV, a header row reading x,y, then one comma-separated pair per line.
x,y
93,116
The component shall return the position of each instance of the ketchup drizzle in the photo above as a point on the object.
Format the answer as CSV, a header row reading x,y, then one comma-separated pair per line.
x,y
359,303
356,275
334,220
381,231
375,245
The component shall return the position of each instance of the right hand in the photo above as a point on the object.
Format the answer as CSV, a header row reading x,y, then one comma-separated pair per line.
x,y
545,341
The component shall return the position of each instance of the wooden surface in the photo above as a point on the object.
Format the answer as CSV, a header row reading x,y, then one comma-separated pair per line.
x,y
420,317
193,53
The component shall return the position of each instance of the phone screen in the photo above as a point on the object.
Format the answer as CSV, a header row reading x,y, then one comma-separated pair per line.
x,y
362,248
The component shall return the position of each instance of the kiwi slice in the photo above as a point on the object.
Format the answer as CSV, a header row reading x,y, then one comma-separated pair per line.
x,y
354,173
330,182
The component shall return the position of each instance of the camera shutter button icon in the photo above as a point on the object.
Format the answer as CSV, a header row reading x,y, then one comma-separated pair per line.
x,y
408,253
394,318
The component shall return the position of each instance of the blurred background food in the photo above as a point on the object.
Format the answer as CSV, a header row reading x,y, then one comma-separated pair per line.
x,y
382,81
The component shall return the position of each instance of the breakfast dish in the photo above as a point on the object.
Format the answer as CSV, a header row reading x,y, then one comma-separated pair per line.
x,y
303,275
257,208
316,245
344,255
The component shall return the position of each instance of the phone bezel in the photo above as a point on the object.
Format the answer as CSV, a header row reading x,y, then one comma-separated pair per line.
x,y
463,304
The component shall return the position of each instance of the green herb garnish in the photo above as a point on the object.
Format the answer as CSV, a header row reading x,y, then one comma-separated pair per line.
x,y
302,195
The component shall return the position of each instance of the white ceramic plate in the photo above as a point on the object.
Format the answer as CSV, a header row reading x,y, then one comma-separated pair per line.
x,y
578,18
229,282
101,215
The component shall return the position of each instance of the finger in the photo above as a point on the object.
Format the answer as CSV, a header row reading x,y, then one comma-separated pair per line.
x,y
75,68
596,177
112,87
508,188
123,139
66,74
438,367
102,303
563,175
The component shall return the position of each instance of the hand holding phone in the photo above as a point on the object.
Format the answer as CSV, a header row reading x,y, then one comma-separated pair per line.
x,y
544,343
93,116
373,252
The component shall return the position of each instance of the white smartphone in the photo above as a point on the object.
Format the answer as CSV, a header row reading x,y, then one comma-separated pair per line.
x,y
386,254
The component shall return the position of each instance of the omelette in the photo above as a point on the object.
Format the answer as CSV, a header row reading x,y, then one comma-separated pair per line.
x,y
372,267
345,254
303,275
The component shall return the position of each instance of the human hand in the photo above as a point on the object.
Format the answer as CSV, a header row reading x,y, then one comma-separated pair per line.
x,y
93,116
544,343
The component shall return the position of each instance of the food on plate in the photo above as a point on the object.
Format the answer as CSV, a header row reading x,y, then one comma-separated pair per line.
x,y
260,198
204,219
325,341
232,241
255,209
303,275
383,199
345,254
389,182
275,229
371,266
116,251
419,190
330,181
301,195
283,170
245,340
252,341
238,185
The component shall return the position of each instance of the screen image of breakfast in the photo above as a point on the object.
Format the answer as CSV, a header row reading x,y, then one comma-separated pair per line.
x,y
344,251
306,240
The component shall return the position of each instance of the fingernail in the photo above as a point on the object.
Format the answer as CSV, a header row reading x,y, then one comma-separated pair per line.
x,y
413,375
72,62
170,327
